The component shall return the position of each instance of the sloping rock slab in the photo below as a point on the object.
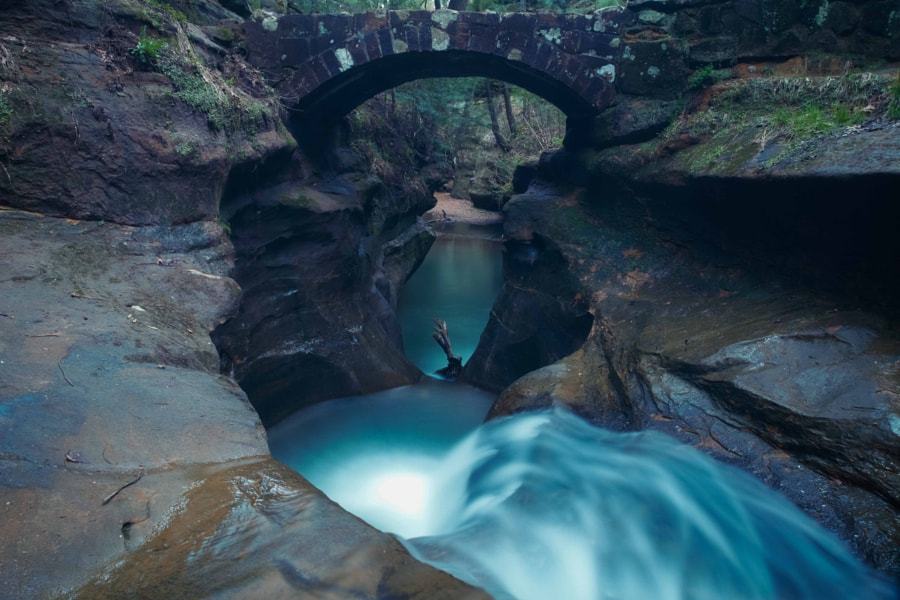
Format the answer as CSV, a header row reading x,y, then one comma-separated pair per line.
x,y
261,531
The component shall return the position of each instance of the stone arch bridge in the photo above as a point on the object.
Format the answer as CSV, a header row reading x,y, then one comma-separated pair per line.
x,y
326,65
323,66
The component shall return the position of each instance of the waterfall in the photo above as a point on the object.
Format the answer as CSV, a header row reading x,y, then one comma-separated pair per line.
x,y
544,505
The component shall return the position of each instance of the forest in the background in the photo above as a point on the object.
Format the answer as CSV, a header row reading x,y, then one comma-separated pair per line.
x,y
470,132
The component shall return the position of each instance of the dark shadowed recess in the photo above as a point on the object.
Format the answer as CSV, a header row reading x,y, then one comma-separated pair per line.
x,y
837,235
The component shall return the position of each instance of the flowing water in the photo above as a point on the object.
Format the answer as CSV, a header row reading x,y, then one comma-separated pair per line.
x,y
544,505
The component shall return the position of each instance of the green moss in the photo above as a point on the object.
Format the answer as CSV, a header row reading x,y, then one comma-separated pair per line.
x,y
194,91
226,107
226,34
149,49
707,76
741,126
172,12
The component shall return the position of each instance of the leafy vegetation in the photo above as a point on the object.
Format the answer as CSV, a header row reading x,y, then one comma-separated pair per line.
x,y
148,50
449,123
707,76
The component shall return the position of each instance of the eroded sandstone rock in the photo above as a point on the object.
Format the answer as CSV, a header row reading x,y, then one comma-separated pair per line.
x,y
720,349
94,134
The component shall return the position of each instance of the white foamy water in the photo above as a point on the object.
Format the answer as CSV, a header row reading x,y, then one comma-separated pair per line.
x,y
544,505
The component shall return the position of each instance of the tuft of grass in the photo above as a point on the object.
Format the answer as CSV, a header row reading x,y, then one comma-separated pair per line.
x,y
149,49
812,120
186,147
850,88
893,110
707,76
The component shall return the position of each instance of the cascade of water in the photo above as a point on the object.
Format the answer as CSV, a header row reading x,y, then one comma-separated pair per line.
x,y
544,505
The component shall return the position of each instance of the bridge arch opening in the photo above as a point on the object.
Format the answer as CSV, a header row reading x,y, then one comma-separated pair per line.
x,y
340,95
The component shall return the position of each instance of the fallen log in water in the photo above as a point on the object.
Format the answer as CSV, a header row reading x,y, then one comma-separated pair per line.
x,y
442,337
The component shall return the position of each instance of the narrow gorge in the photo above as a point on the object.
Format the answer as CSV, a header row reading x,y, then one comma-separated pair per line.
x,y
660,234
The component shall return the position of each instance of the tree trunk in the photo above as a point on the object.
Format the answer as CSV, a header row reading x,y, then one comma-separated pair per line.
x,y
510,117
459,4
495,123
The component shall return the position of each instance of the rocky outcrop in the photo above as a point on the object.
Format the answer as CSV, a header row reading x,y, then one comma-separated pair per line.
x,y
539,316
725,350
319,260
733,297
91,130
108,376
122,127
107,372
401,257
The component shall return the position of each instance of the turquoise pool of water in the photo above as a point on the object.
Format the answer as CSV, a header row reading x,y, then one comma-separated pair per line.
x,y
457,282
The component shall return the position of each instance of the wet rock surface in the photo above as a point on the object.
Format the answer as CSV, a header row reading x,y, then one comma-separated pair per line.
x,y
733,356
260,530
108,377
107,372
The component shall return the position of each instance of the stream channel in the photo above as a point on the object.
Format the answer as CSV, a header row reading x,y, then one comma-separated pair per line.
x,y
543,505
